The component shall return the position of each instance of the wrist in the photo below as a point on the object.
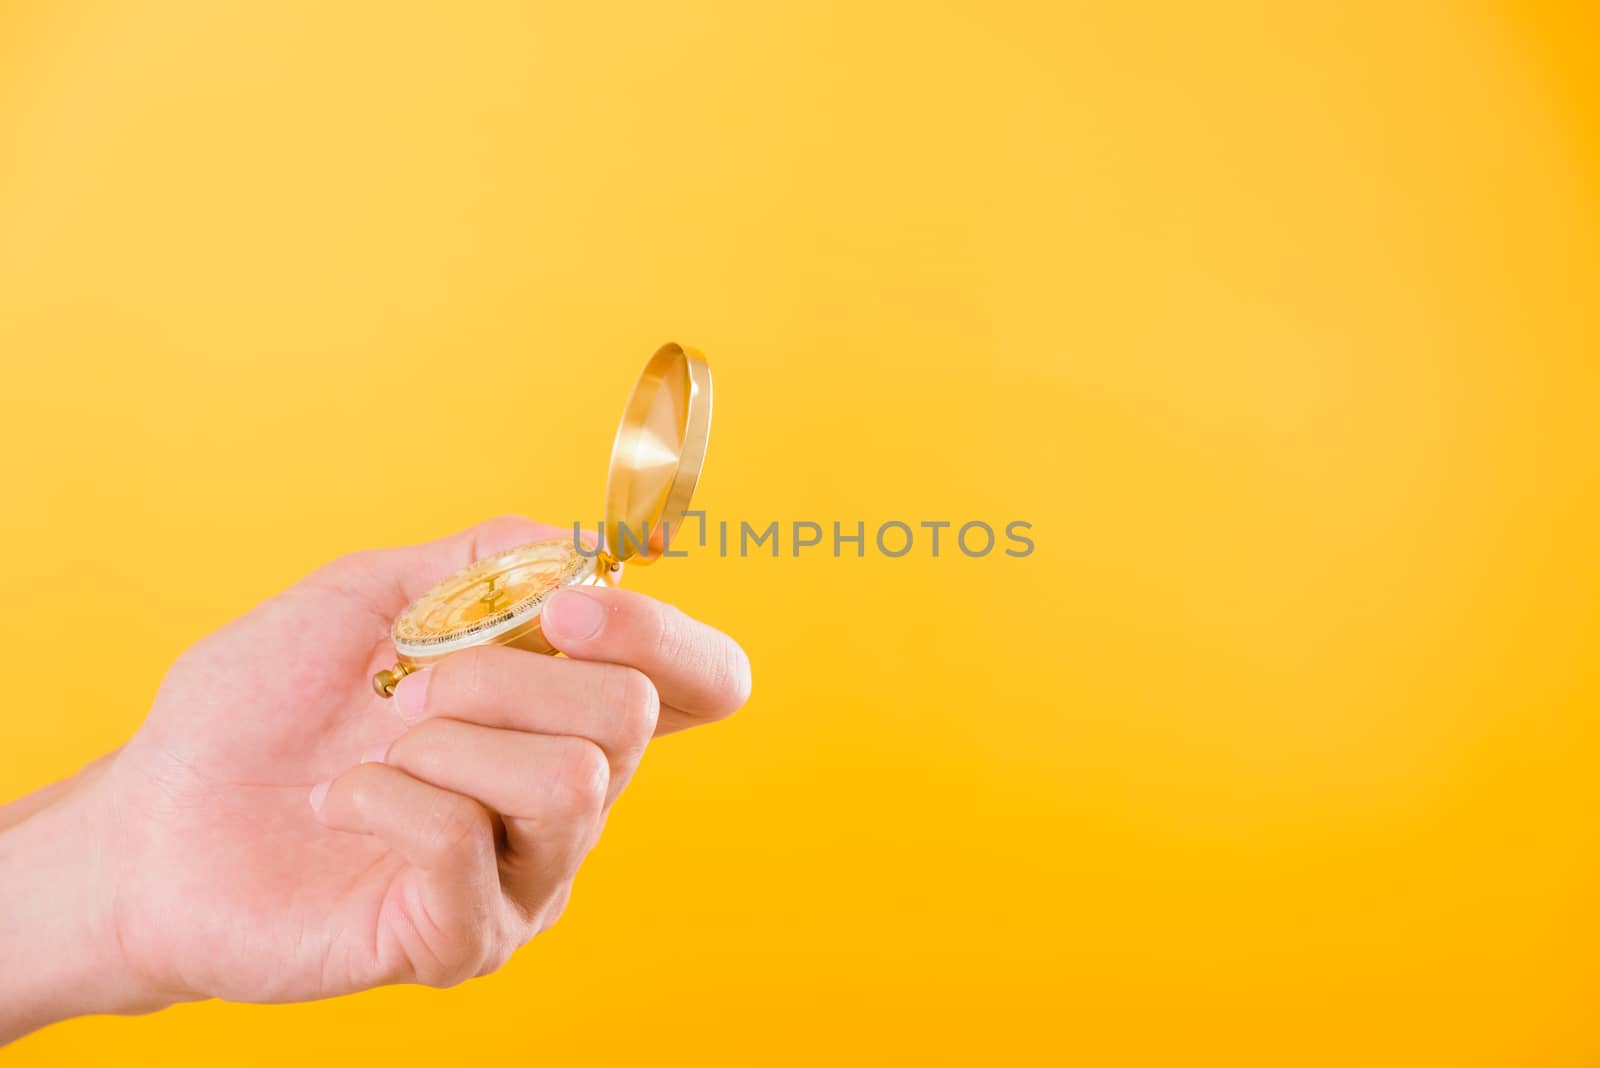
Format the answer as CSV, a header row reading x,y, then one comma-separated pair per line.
x,y
59,952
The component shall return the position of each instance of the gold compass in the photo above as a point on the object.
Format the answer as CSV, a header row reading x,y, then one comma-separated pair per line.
x,y
655,464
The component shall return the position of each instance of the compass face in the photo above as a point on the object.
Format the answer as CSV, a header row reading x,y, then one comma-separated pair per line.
x,y
496,595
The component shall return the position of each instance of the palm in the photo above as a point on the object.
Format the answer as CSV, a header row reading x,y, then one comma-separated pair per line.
x,y
240,892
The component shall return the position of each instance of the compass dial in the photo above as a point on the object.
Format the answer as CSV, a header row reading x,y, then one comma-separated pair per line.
x,y
496,597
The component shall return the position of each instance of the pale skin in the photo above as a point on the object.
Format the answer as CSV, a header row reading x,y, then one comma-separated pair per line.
x,y
276,832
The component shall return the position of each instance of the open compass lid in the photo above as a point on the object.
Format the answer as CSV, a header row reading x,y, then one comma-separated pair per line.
x,y
658,453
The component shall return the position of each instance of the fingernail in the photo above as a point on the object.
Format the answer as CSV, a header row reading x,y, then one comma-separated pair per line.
x,y
375,756
411,696
574,615
319,794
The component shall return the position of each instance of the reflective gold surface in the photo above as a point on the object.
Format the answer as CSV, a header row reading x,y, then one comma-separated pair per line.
x,y
655,464
658,453
497,599
489,593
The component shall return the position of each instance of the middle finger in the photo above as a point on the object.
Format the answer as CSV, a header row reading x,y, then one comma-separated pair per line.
x,y
612,705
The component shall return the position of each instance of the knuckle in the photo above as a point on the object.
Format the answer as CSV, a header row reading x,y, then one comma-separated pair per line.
x,y
455,947
632,698
578,789
459,833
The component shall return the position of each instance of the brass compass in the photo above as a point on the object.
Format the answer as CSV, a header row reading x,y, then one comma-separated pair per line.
x,y
655,464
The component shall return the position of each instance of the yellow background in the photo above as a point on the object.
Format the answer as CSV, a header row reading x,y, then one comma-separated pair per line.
x,y
1277,321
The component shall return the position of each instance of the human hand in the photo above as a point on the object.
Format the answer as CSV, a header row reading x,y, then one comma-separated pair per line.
x,y
277,832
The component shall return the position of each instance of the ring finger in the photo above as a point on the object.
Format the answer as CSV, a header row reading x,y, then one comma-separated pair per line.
x,y
548,790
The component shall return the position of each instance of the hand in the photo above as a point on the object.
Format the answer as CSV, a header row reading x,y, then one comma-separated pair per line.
x,y
277,832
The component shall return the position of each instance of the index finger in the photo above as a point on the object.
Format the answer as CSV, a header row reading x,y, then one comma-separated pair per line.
x,y
700,673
